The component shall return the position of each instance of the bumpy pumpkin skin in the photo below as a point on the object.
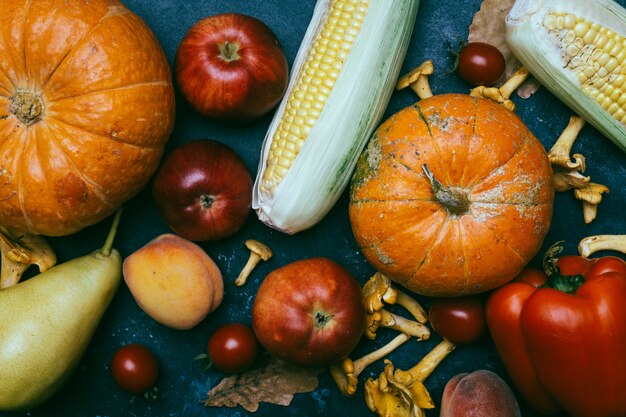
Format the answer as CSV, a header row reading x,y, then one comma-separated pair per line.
x,y
476,148
86,107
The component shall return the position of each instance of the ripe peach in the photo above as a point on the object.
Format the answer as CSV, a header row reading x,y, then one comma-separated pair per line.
x,y
479,394
174,281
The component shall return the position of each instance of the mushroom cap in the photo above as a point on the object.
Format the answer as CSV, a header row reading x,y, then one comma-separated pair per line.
x,y
377,291
425,68
343,374
259,248
591,193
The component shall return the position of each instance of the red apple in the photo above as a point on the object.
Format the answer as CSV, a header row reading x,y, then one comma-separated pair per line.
x,y
231,66
203,190
309,312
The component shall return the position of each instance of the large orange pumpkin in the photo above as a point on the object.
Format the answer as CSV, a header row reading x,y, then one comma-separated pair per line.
x,y
86,107
452,196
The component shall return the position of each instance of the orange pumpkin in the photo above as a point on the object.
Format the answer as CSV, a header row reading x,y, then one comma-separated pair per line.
x,y
453,196
86,107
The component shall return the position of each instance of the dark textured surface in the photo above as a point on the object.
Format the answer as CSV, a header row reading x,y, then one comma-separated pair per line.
x,y
91,391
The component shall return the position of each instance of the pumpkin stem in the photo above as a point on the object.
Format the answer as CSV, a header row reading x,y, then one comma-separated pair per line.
x,y
27,106
454,200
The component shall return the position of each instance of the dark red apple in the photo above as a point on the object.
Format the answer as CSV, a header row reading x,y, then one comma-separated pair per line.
x,y
309,312
203,190
231,66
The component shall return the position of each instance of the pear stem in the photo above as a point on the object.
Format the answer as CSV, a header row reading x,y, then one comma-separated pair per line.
x,y
108,243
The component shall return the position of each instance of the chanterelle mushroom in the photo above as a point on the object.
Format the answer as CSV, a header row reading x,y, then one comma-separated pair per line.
x,y
591,196
417,80
346,372
384,318
398,393
20,251
559,154
501,94
258,252
379,290
593,244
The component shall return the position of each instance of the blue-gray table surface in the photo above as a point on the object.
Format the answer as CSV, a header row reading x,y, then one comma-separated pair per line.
x,y
91,391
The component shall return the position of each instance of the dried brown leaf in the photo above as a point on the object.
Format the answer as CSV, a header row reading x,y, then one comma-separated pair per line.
x,y
488,25
275,383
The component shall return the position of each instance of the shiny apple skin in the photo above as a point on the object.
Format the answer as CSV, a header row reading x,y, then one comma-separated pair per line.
x,y
310,312
203,190
221,86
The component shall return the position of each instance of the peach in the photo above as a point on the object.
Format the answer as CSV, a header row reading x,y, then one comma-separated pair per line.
x,y
478,394
174,281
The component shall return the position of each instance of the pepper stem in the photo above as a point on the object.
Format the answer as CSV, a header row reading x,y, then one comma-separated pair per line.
x,y
568,284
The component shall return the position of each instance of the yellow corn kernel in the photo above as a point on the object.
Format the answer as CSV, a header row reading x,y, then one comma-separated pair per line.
x,y
595,55
313,86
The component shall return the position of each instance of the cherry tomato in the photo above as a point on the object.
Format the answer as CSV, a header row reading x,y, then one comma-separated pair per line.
x,y
480,63
135,368
460,320
233,347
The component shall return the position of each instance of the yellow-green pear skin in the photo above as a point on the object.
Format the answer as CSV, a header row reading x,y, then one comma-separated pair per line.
x,y
46,324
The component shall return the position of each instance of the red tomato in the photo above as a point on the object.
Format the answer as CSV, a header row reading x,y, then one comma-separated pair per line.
x,y
233,347
135,368
480,63
460,320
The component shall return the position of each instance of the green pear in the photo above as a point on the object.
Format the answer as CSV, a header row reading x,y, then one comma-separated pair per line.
x,y
47,322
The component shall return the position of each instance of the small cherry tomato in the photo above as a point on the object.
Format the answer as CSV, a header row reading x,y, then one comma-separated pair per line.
x,y
233,347
135,368
460,320
480,63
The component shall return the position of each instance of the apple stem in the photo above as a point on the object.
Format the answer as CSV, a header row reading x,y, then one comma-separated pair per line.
x,y
228,51
321,319
207,201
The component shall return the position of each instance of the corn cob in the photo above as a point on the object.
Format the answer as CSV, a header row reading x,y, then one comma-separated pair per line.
x,y
341,82
576,49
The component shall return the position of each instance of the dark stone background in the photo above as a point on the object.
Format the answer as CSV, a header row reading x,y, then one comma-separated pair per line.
x,y
183,385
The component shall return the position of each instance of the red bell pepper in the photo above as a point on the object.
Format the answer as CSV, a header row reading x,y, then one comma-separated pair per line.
x,y
562,335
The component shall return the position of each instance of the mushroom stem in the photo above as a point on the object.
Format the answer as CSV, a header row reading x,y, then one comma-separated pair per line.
x,y
560,152
593,244
345,373
428,363
401,324
258,252
514,82
417,80
253,260
501,94
363,362
412,306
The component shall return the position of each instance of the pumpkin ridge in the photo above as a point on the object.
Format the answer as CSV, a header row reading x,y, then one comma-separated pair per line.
x,y
505,241
400,200
501,203
436,241
527,140
113,138
120,87
434,142
466,258
469,142
97,189
7,92
117,12
19,176
25,23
